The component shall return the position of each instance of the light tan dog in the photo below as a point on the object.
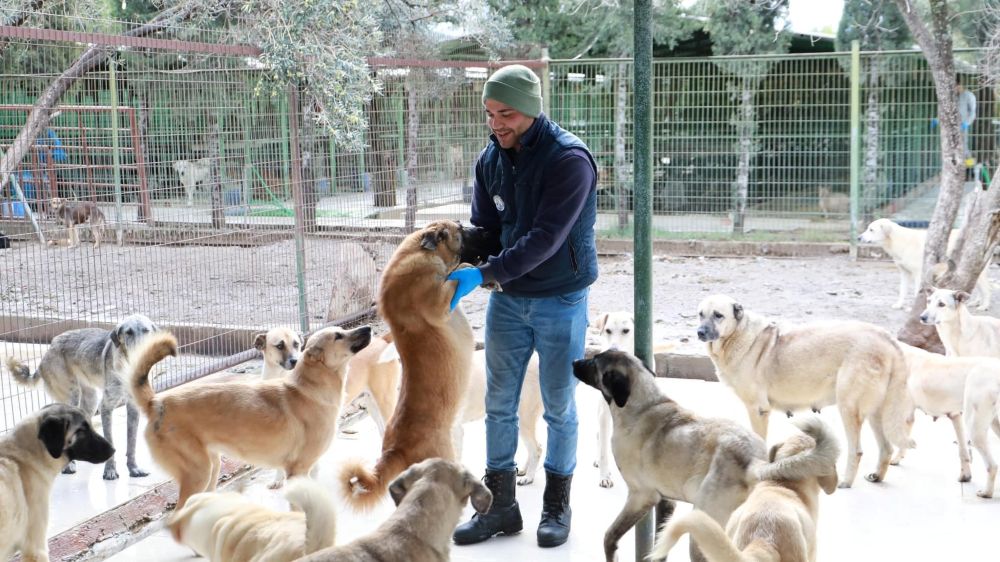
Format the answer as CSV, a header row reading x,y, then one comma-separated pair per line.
x,y
982,406
372,386
937,384
906,248
429,498
72,214
193,172
435,347
777,522
769,365
962,333
665,452
31,456
473,408
281,348
227,526
832,202
284,423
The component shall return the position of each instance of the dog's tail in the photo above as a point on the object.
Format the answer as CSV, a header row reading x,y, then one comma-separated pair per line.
x,y
820,460
364,488
897,405
151,351
311,498
710,538
21,372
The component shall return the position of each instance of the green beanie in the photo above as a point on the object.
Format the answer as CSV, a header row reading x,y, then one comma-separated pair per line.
x,y
517,86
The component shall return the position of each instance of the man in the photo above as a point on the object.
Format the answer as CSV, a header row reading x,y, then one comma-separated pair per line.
x,y
967,114
535,198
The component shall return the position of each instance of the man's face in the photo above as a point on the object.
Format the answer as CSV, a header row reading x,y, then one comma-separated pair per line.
x,y
507,123
959,88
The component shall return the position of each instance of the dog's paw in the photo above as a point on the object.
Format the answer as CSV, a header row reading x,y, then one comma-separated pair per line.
x,y
110,473
136,472
277,484
606,482
985,494
844,485
70,468
965,477
524,480
873,477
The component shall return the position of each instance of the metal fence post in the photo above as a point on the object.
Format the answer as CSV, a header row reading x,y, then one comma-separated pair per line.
x,y
855,143
643,208
292,118
116,158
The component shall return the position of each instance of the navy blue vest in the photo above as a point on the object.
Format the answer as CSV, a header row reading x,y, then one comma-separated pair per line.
x,y
574,265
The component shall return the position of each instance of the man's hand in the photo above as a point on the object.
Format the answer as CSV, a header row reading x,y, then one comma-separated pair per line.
x,y
468,279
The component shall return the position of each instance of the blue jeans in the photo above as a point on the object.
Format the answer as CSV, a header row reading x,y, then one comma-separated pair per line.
x,y
515,327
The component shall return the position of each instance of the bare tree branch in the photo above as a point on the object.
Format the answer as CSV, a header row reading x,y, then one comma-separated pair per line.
x,y
40,115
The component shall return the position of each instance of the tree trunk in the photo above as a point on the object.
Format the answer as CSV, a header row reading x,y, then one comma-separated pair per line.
x,y
873,118
382,156
622,166
745,126
936,45
412,136
93,57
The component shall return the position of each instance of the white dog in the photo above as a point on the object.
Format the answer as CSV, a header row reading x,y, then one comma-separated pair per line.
x,y
906,247
224,526
982,405
193,172
962,333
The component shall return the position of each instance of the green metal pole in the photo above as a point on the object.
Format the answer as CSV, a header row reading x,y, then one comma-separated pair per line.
x,y
643,207
116,157
855,143
292,115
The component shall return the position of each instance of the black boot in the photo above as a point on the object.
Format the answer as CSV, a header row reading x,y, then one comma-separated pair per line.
x,y
504,515
553,529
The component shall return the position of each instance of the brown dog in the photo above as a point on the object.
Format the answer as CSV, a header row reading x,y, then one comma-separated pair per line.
x,y
435,346
429,498
283,423
73,213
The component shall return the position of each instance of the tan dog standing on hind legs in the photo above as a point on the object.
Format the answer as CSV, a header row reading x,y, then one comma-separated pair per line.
x,y
72,214
285,423
771,365
435,347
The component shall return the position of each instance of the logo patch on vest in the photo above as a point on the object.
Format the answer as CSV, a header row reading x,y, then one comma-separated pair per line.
x,y
499,203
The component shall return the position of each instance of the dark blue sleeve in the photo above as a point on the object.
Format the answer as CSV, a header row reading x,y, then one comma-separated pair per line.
x,y
484,213
568,183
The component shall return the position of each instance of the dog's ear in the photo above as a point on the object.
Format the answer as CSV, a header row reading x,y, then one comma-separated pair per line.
x,y
314,351
260,341
52,433
773,452
602,320
737,311
829,482
403,482
961,296
618,385
431,238
479,495
116,337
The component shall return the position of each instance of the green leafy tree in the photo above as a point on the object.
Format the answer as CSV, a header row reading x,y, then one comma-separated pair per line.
x,y
745,27
878,26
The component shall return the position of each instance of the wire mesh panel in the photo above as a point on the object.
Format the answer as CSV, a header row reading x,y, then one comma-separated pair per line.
x,y
760,146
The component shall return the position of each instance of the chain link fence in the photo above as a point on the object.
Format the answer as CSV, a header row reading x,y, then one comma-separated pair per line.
x,y
228,212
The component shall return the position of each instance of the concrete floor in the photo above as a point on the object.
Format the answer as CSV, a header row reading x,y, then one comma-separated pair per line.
x,y
920,513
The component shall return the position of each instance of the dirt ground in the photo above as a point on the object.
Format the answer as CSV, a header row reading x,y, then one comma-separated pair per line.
x,y
257,286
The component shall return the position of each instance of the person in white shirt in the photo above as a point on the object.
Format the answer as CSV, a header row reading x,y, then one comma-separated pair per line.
x,y
966,113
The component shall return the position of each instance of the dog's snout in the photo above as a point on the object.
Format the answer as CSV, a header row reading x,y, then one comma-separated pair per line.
x,y
292,361
923,318
361,338
703,333
585,370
